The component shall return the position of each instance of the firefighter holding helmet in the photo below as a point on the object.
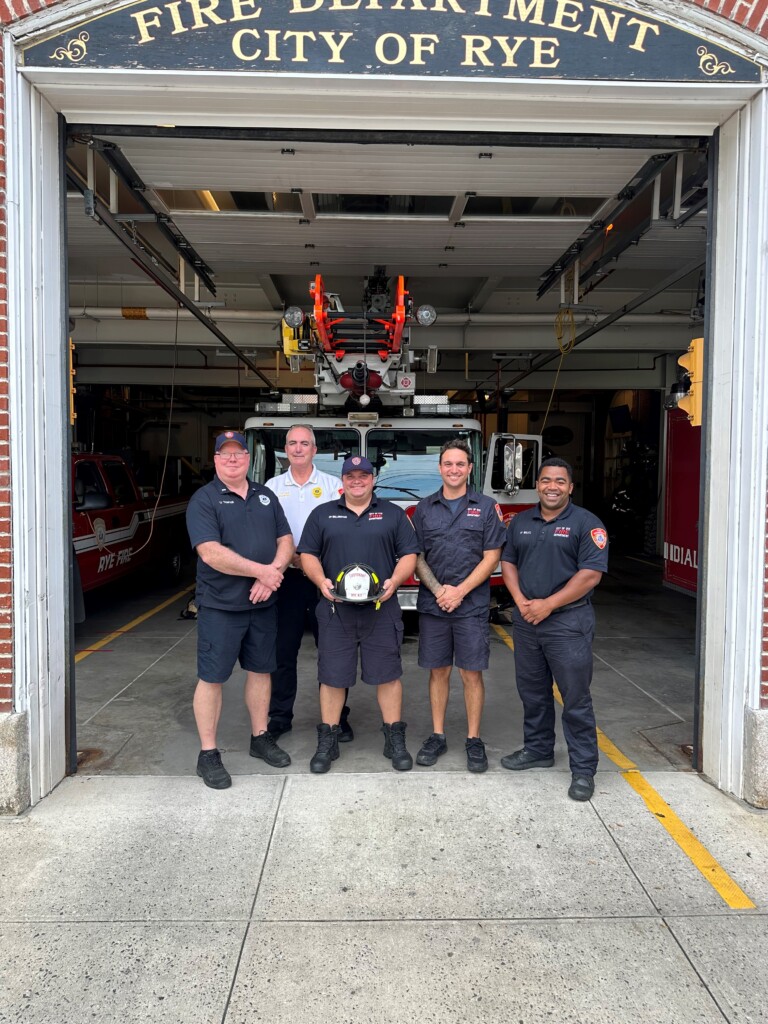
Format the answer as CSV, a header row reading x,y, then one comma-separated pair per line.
x,y
357,550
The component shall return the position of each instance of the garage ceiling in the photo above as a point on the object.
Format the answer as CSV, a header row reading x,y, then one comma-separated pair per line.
x,y
475,230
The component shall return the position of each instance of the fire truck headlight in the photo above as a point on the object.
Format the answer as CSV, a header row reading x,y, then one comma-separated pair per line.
x,y
426,315
294,317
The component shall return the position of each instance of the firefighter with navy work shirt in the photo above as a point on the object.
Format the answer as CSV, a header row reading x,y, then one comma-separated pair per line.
x,y
359,527
554,557
460,534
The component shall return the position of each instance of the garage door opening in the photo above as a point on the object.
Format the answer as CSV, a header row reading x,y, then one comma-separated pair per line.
x,y
568,275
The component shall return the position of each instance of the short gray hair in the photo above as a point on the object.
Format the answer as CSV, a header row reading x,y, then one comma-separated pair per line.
x,y
301,426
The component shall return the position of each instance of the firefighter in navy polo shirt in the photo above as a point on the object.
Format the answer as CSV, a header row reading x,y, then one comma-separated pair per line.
x,y
460,535
359,528
244,545
554,557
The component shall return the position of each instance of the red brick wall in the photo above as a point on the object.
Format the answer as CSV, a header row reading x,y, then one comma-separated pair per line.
x,y
750,14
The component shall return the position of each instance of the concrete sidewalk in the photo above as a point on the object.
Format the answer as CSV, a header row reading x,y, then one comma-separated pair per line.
x,y
379,898
134,895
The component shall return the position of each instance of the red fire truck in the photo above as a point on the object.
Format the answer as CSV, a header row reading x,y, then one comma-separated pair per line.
x,y
119,527
366,403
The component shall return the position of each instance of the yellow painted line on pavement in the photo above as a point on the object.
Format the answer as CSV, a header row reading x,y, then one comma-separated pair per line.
x,y
729,891
698,854
92,648
612,752
503,635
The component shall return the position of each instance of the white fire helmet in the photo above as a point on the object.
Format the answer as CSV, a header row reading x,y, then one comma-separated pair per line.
x,y
357,584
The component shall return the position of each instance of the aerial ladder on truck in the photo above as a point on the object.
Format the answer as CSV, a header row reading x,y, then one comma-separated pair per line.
x,y
362,355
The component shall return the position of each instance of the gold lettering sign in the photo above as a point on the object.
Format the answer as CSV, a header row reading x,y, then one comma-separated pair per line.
x,y
564,39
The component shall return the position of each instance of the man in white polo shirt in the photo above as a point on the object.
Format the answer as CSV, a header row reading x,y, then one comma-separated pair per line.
x,y
299,490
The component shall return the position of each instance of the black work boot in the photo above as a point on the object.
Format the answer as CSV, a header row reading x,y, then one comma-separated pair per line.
x,y
327,748
346,735
394,746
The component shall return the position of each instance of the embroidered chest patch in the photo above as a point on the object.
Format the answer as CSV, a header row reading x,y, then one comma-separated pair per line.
x,y
474,513
562,531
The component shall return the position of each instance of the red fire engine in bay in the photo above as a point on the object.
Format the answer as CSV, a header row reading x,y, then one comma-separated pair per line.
x,y
366,403
119,527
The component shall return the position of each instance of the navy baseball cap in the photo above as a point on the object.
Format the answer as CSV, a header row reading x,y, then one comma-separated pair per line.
x,y
231,435
356,462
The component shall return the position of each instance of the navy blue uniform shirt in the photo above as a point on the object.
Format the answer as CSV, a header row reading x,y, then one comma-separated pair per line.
x,y
378,537
548,554
453,542
250,527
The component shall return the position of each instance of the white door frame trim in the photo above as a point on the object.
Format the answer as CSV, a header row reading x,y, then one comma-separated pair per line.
x,y
735,440
39,438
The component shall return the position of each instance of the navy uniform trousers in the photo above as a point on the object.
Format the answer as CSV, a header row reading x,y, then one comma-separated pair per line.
x,y
296,602
559,648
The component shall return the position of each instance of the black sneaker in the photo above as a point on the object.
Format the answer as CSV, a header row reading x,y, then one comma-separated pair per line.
x,y
327,748
431,749
212,771
265,746
522,759
346,735
476,759
278,729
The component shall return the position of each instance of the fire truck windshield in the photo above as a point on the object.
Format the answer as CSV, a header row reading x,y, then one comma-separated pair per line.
x,y
405,458
406,461
334,444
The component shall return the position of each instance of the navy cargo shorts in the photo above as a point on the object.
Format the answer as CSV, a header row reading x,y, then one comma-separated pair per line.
x,y
446,640
344,628
226,637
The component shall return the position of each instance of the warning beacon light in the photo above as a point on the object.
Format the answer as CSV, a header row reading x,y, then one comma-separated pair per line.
x,y
294,317
426,316
692,362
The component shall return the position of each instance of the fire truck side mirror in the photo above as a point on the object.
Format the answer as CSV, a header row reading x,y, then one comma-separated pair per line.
x,y
513,466
93,503
692,362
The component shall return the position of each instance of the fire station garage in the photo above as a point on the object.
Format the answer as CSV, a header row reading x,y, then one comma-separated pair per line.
x,y
577,191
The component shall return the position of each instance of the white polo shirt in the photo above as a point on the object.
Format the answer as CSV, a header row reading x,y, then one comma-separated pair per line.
x,y
298,500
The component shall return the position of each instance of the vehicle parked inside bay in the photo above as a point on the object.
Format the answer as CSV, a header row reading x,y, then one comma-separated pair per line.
x,y
120,527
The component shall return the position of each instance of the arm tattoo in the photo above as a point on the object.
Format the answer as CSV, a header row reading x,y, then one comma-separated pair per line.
x,y
426,575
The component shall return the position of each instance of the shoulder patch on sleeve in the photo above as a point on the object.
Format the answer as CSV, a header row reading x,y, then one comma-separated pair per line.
x,y
499,513
599,536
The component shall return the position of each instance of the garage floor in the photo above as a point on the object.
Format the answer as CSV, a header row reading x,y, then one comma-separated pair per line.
x,y
134,694
133,894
